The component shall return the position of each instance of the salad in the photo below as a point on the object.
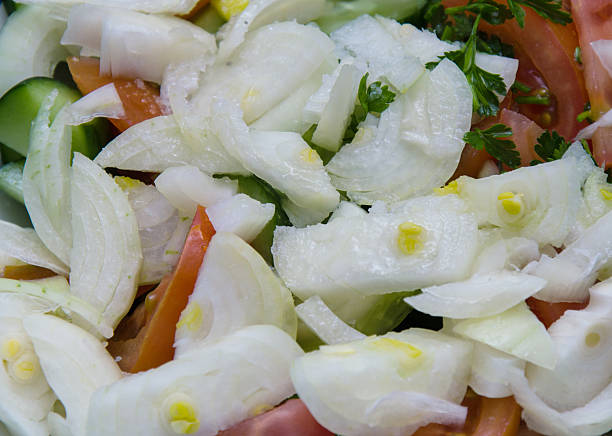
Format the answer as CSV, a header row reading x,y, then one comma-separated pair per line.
x,y
305,217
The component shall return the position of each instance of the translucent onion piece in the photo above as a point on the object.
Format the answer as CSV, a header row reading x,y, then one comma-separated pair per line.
x,y
364,253
582,341
346,209
595,192
220,385
490,369
102,102
589,131
132,44
367,40
241,215
516,331
425,45
155,145
325,323
46,180
187,187
56,291
30,46
369,386
106,256
25,245
74,362
479,296
259,13
336,112
574,270
181,83
512,253
159,224
545,199
283,159
175,7
235,288
249,77
416,145
603,50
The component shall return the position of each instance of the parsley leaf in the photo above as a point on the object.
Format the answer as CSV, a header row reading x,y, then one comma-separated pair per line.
x,y
375,99
550,9
484,85
550,146
504,150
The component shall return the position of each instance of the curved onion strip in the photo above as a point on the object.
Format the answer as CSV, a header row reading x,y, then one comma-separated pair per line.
x,y
480,295
490,369
174,7
220,384
106,255
241,215
74,362
259,13
327,326
25,245
235,288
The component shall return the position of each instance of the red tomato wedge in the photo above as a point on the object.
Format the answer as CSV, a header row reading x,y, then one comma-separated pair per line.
x,y
548,313
594,22
525,133
545,51
147,346
291,418
140,99
486,417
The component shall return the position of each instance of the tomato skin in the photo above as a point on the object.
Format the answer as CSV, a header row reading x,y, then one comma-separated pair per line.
x,y
486,417
140,99
548,313
525,134
594,21
145,339
291,418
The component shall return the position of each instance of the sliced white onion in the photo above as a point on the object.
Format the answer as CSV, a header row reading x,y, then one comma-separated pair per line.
x,y
346,209
106,255
132,44
25,245
479,296
240,215
102,102
235,288
589,131
490,369
360,387
366,39
538,202
30,46
187,187
517,331
159,224
283,159
595,204
574,270
325,323
181,82
74,362
56,291
259,13
364,253
583,343
416,145
218,385
173,7
249,76
512,253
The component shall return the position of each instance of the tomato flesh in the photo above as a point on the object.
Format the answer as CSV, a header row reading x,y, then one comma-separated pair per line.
x,y
548,313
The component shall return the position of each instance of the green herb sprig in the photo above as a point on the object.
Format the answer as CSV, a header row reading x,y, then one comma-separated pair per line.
x,y
491,140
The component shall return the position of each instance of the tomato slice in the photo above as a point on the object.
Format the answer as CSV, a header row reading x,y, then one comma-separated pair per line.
x,y
291,418
140,99
594,21
525,133
545,51
145,339
548,313
486,417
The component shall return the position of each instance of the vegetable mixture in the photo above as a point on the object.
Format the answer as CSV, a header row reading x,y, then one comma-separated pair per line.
x,y
305,217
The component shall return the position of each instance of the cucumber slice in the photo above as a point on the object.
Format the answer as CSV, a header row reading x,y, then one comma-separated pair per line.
x,y
3,15
30,45
11,176
19,107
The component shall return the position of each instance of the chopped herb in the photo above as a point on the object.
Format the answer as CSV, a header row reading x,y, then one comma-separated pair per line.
x,y
504,150
586,115
550,9
491,44
550,146
578,55
374,99
520,87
